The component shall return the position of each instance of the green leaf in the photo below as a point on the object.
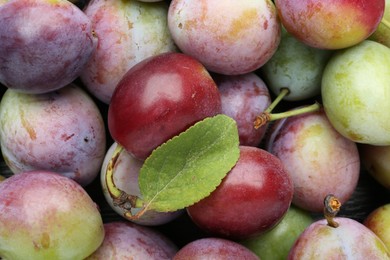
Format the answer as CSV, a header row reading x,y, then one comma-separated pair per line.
x,y
188,167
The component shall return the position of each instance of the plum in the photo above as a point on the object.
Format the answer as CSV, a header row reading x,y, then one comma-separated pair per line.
x,y
330,24
355,91
214,248
318,158
159,98
227,37
45,215
350,240
242,98
252,198
61,131
125,177
125,240
44,44
128,32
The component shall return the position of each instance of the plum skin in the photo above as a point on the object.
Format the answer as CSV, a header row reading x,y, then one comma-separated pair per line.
x,y
130,29
125,240
37,55
350,240
47,216
159,98
319,159
61,131
330,24
214,248
228,37
125,177
252,198
243,97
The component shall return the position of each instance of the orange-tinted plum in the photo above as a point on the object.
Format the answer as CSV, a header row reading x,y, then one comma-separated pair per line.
x,y
252,198
159,98
330,24
378,221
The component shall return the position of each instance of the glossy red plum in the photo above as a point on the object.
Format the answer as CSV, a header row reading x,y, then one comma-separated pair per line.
x,y
159,98
252,198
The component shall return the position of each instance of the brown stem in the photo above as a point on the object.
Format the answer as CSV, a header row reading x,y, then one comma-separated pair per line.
x,y
331,208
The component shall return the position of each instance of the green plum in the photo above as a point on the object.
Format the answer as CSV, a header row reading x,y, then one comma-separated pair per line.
x,y
276,243
295,66
356,92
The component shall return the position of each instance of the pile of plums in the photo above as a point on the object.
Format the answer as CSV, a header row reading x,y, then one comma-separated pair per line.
x,y
193,129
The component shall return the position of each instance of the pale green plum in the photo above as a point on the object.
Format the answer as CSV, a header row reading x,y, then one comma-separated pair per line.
x,y
379,222
356,92
295,66
276,243
382,32
376,159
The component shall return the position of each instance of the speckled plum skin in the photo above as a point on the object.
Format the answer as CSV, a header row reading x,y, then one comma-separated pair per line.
x,y
228,37
47,216
44,44
355,90
330,24
61,131
159,98
214,248
350,240
125,176
319,159
378,221
252,198
128,32
125,240
243,97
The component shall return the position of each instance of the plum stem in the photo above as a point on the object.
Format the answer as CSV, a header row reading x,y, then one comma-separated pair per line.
x,y
331,208
283,92
119,197
266,116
